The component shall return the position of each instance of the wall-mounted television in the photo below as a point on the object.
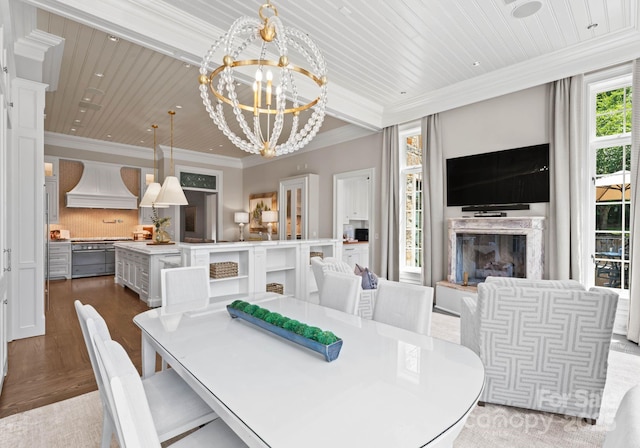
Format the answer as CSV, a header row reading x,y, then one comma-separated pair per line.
x,y
512,176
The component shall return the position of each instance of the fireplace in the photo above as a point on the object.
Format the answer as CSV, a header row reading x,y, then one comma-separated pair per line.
x,y
508,247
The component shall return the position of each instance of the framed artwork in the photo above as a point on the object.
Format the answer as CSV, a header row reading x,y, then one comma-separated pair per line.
x,y
259,202
190,219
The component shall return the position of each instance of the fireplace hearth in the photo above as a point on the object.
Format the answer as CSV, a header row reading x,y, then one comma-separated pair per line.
x,y
504,246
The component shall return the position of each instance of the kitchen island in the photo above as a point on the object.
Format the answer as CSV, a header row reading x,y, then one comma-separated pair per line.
x,y
255,266
138,266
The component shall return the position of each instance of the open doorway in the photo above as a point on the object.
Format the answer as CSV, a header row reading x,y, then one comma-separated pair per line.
x,y
198,220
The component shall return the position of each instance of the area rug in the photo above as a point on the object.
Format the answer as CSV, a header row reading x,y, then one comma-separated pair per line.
x,y
77,422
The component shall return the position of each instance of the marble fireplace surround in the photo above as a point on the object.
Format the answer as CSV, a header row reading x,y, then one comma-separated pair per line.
x,y
531,227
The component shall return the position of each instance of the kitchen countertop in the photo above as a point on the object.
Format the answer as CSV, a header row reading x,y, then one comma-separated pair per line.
x,y
355,242
149,249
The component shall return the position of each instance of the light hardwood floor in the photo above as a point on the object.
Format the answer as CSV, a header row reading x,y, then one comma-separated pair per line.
x,y
54,367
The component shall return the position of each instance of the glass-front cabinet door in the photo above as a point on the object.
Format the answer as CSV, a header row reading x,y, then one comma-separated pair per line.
x,y
298,214
292,218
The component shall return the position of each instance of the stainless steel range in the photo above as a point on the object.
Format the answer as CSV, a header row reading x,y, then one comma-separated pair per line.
x,y
93,257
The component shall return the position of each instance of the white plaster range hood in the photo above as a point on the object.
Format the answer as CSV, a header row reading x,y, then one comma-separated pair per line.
x,y
101,186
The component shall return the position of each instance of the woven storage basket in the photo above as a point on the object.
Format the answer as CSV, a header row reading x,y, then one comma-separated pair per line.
x,y
316,254
223,269
275,287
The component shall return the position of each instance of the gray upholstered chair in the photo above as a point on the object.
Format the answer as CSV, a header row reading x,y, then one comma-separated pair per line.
x,y
544,344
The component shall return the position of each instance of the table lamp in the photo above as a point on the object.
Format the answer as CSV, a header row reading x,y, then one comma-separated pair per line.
x,y
269,217
241,218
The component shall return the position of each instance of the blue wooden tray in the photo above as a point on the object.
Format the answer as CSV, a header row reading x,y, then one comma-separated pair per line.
x,y
330,352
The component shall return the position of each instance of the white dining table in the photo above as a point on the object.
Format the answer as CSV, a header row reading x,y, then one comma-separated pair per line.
x,y
388,387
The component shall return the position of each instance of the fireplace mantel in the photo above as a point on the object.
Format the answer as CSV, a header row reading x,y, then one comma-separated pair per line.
x,y
531,227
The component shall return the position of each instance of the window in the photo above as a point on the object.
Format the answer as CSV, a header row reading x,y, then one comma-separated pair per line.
x,y
610,153
411,205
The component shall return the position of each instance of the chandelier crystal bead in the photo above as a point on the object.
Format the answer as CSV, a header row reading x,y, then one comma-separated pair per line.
x,y
259,103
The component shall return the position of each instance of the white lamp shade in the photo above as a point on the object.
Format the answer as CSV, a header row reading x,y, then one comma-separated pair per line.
x,y
171,193
151,195
241,217
270,216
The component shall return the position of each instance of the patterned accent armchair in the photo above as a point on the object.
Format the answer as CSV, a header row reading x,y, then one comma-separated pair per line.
x,y
544,343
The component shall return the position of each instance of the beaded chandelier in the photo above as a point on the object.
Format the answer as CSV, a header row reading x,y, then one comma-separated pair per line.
x,y
270,97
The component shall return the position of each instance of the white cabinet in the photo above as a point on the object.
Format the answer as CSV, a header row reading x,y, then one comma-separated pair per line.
x,y
145,213
356,199
51,188
139,270
281,268
5,219
357,253
299,203
286,263
228,287
59,260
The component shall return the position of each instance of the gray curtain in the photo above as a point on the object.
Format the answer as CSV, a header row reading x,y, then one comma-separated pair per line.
x,y
633,332
390,197
433,228
565,251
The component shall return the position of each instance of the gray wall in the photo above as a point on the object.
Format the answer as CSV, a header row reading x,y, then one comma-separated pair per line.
x,y
365,152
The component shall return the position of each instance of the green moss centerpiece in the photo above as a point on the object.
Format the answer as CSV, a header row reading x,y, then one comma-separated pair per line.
x,y
314,338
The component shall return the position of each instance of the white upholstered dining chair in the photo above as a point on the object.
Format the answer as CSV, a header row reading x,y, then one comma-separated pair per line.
x,y
404,305
175,407
626,428
134,422
341,291
184,289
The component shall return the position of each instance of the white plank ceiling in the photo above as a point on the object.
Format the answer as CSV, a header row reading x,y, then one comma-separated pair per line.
x,y
389,61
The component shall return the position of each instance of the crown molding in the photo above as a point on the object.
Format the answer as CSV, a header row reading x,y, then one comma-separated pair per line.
x,y
100,146
323,140
184,155
583,58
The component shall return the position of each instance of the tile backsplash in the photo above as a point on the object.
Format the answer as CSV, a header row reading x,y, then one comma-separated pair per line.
x,y
95,222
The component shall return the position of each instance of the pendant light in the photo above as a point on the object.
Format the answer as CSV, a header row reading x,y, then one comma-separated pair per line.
x,y
171,192
150,196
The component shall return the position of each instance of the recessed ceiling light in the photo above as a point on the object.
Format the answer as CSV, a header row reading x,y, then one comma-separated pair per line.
x,y
76,121
86,98
526,9
73,129
220,146
141,141
82,111
100,75
178,106
113,38
475,63
187,65
592,26
108,135
149,130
